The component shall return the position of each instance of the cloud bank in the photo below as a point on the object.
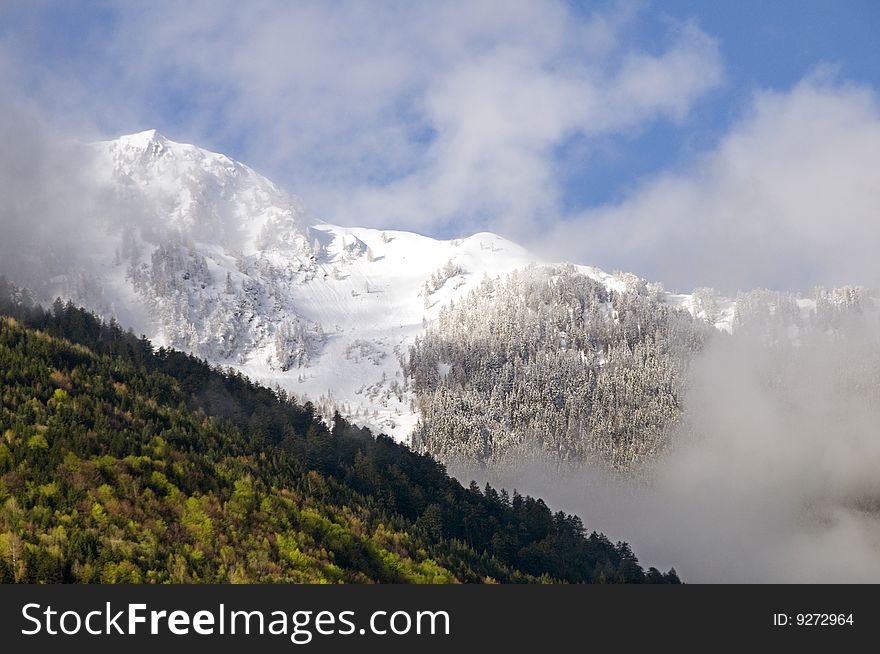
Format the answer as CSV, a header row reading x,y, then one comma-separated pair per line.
x,y
790,198
772,476
449,118
47,199
438,117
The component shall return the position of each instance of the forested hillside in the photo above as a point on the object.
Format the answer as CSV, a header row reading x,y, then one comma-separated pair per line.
x,y
552,364
123,464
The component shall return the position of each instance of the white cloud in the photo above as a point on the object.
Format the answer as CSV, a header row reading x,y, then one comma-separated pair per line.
x,y
771,477
789,198
500,115
416,115
46,198
448,117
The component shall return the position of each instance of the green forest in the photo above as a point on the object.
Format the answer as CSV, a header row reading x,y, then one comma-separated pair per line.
x,y
121,463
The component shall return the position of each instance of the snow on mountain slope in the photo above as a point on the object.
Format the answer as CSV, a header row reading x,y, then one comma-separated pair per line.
x,y
371,298
205,196
201,253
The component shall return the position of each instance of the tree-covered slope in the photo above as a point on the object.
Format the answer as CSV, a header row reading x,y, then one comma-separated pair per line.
x,y
121,464
552,365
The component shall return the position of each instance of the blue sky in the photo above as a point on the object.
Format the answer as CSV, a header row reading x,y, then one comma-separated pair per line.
x,y
550,122
763,45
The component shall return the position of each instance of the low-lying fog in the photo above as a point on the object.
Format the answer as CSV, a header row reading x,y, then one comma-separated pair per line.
x,y
774,475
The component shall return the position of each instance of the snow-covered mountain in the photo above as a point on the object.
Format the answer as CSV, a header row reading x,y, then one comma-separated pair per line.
x,y
201,253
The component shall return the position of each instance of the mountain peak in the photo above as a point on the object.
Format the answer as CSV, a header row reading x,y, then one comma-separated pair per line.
x,y
144,139
149,145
